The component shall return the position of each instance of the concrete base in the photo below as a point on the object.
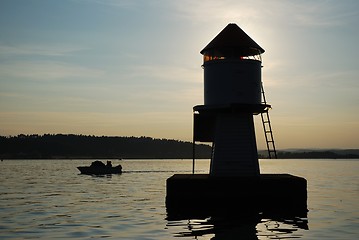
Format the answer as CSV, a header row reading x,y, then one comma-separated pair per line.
x,y
202,195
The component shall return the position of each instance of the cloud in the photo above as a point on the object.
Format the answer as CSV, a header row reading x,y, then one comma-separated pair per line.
x,y
321,13
41,62
164,73
214,11
46,70
300,13
37,50
113,3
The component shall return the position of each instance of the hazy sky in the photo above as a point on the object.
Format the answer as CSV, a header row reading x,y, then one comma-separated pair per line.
x,y
133,68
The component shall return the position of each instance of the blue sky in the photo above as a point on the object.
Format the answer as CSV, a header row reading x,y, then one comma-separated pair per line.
x,y
133,68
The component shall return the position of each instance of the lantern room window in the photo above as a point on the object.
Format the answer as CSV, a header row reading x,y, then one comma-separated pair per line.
x,y
207,58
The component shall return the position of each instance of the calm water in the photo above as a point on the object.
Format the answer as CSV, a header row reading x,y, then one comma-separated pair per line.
x,y
49,199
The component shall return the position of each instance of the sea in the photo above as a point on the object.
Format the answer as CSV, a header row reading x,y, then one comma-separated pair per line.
x,y
50,199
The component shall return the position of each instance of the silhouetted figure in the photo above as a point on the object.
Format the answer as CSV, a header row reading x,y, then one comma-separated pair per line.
x,y
109,164
97,164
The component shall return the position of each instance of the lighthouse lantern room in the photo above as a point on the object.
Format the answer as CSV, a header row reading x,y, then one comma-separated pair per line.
x,y
232,68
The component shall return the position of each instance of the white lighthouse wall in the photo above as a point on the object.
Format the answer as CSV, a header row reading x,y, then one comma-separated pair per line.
x,y
235,148
229,81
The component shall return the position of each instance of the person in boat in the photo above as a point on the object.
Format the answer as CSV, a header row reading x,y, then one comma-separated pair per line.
x,y
108,164
97,164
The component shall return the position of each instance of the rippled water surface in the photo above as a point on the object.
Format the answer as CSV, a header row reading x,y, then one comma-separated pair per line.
x,y
49,199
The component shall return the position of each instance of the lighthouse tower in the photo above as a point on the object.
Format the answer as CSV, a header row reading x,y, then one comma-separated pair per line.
x,y
232,94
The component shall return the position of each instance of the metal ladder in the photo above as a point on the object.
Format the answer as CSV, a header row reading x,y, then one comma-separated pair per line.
x,y
268,133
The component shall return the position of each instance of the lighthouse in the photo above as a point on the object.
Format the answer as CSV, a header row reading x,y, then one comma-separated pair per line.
x,y
232,95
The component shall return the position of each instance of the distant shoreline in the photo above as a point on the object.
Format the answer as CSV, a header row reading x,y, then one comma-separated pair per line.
x,y
71,146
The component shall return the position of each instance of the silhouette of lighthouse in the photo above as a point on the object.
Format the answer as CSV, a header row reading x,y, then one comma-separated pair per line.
x,y
232,94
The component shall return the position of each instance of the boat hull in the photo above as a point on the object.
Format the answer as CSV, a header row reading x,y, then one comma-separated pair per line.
x,y
100,170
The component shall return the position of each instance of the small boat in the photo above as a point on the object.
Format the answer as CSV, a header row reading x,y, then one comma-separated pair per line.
x,y
99,168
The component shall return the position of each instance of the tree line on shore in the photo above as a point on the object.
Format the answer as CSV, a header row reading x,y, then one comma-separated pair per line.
x,y
67,146
71,146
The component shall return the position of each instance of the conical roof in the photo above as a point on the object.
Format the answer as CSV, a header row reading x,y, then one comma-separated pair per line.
x,y
232,40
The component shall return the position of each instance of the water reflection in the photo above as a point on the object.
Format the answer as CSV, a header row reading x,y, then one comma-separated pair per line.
x,y
230,225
